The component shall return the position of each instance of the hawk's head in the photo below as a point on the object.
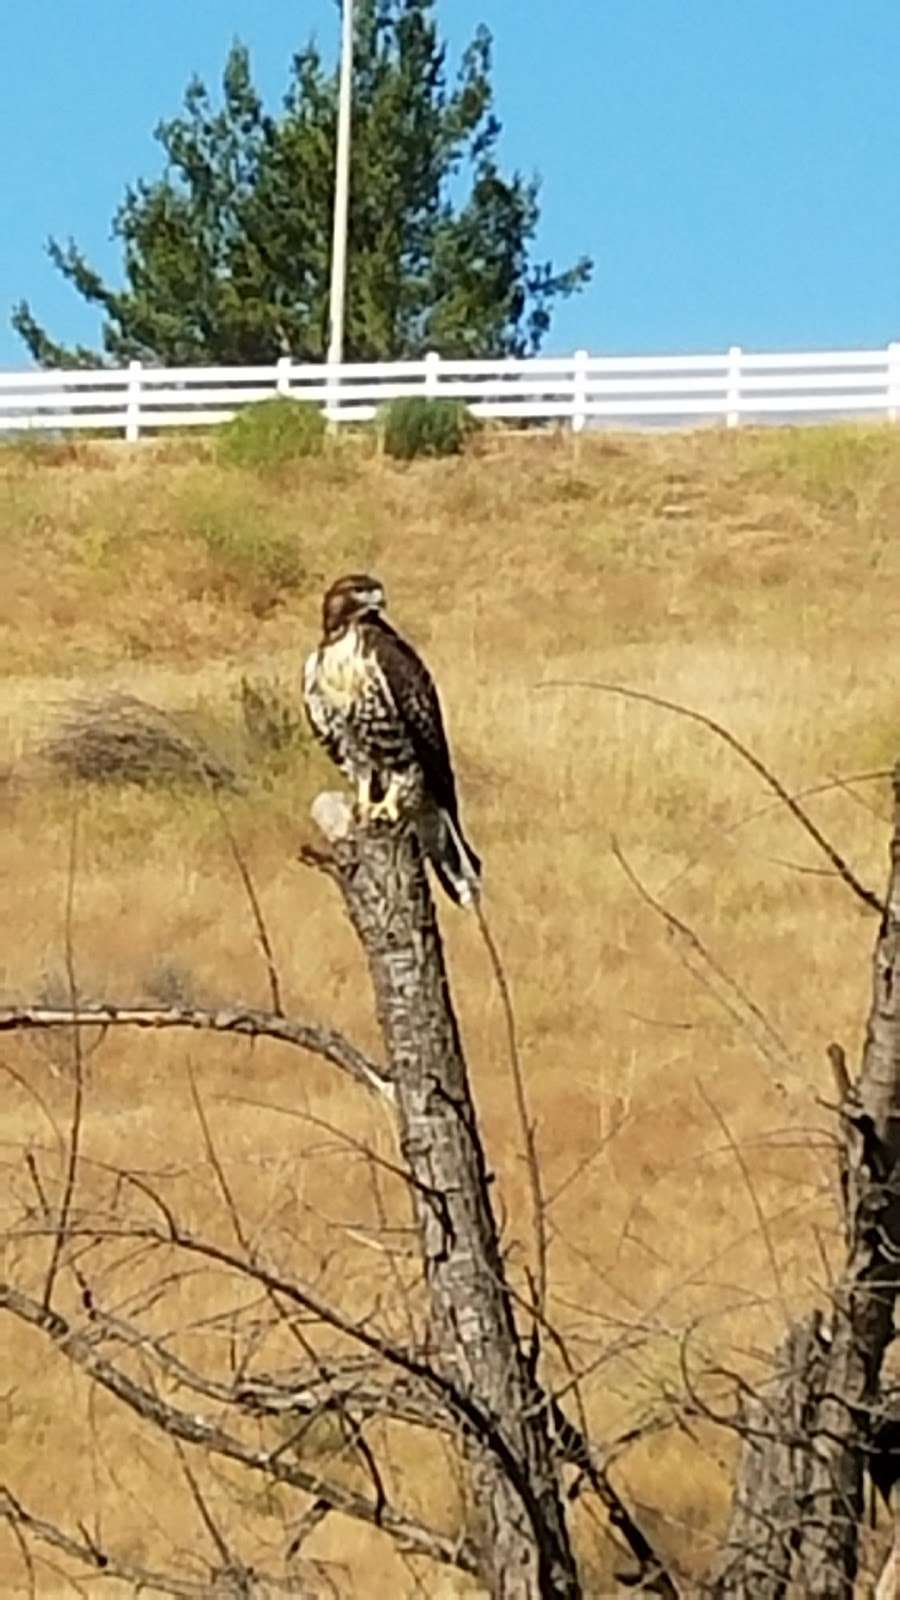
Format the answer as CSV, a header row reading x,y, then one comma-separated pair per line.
x,y
348,600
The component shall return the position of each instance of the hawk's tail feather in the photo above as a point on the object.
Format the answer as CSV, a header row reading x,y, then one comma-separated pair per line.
x,y
456,865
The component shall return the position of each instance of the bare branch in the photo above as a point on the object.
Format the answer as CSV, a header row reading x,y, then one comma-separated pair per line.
x,y
409,1533
473,1334
800,1494
247,1022
262,932
206,1517
205,766
314,1393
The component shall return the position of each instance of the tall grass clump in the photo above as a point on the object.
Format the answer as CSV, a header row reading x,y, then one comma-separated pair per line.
x,y
418,426
272,434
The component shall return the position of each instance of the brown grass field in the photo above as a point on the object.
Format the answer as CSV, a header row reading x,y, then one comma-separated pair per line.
x,y
751,575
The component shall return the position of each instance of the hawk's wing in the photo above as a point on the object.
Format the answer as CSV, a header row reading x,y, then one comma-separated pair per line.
x,y
411,687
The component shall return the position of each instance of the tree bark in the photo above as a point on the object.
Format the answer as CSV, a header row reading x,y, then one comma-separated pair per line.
x,y
472,1339
772,1491
818,1480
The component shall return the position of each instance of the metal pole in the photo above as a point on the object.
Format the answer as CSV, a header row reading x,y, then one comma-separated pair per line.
x,y
341,191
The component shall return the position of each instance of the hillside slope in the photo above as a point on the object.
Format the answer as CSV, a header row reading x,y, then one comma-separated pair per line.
x,y
753,576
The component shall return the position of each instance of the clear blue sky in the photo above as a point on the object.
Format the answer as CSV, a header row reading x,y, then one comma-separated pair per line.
x,y
733,166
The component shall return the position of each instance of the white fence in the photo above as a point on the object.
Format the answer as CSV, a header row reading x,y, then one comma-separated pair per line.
x,y
579,389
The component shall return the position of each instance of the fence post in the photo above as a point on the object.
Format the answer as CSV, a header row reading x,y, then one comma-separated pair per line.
x,y
283,375
733,390
579,391
432,374
893,380
133,403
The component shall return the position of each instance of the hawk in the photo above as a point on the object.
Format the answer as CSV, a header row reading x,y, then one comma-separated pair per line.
x,y
372,703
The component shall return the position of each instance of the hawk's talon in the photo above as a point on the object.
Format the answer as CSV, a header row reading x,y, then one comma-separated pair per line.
x,y
384,811
380,816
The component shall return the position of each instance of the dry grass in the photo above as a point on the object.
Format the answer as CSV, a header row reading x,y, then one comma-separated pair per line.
x,y
752,575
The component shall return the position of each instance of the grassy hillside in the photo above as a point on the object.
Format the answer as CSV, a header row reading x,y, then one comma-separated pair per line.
x,y
677,1084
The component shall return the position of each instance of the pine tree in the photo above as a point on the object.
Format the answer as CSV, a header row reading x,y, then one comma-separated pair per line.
x,y
226,256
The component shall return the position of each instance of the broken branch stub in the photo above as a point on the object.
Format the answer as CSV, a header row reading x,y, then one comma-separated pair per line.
x,y
472,1340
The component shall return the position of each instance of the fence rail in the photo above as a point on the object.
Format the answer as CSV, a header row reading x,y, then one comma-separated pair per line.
x,y
580,389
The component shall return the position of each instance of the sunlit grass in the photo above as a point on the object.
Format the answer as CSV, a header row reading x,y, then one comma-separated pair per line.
x,y
749,574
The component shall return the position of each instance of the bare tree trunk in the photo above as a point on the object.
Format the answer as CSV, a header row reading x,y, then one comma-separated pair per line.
x,y
817,1481
472,1337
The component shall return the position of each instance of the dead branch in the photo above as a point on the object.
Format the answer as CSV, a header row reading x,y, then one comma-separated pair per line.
x,y
466,1407
747,1178
352,1428
192,1428
312,1393
253,900
249,1023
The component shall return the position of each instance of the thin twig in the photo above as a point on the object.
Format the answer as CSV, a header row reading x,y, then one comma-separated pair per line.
x,y
676,925
429,1195
867,896
259,921
262,932
466,1410
809,790
750,1186
78,1064
532,1162
209,1522
213,1158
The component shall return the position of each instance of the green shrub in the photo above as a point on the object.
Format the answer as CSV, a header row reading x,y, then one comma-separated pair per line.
x,y
272,433
418,426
